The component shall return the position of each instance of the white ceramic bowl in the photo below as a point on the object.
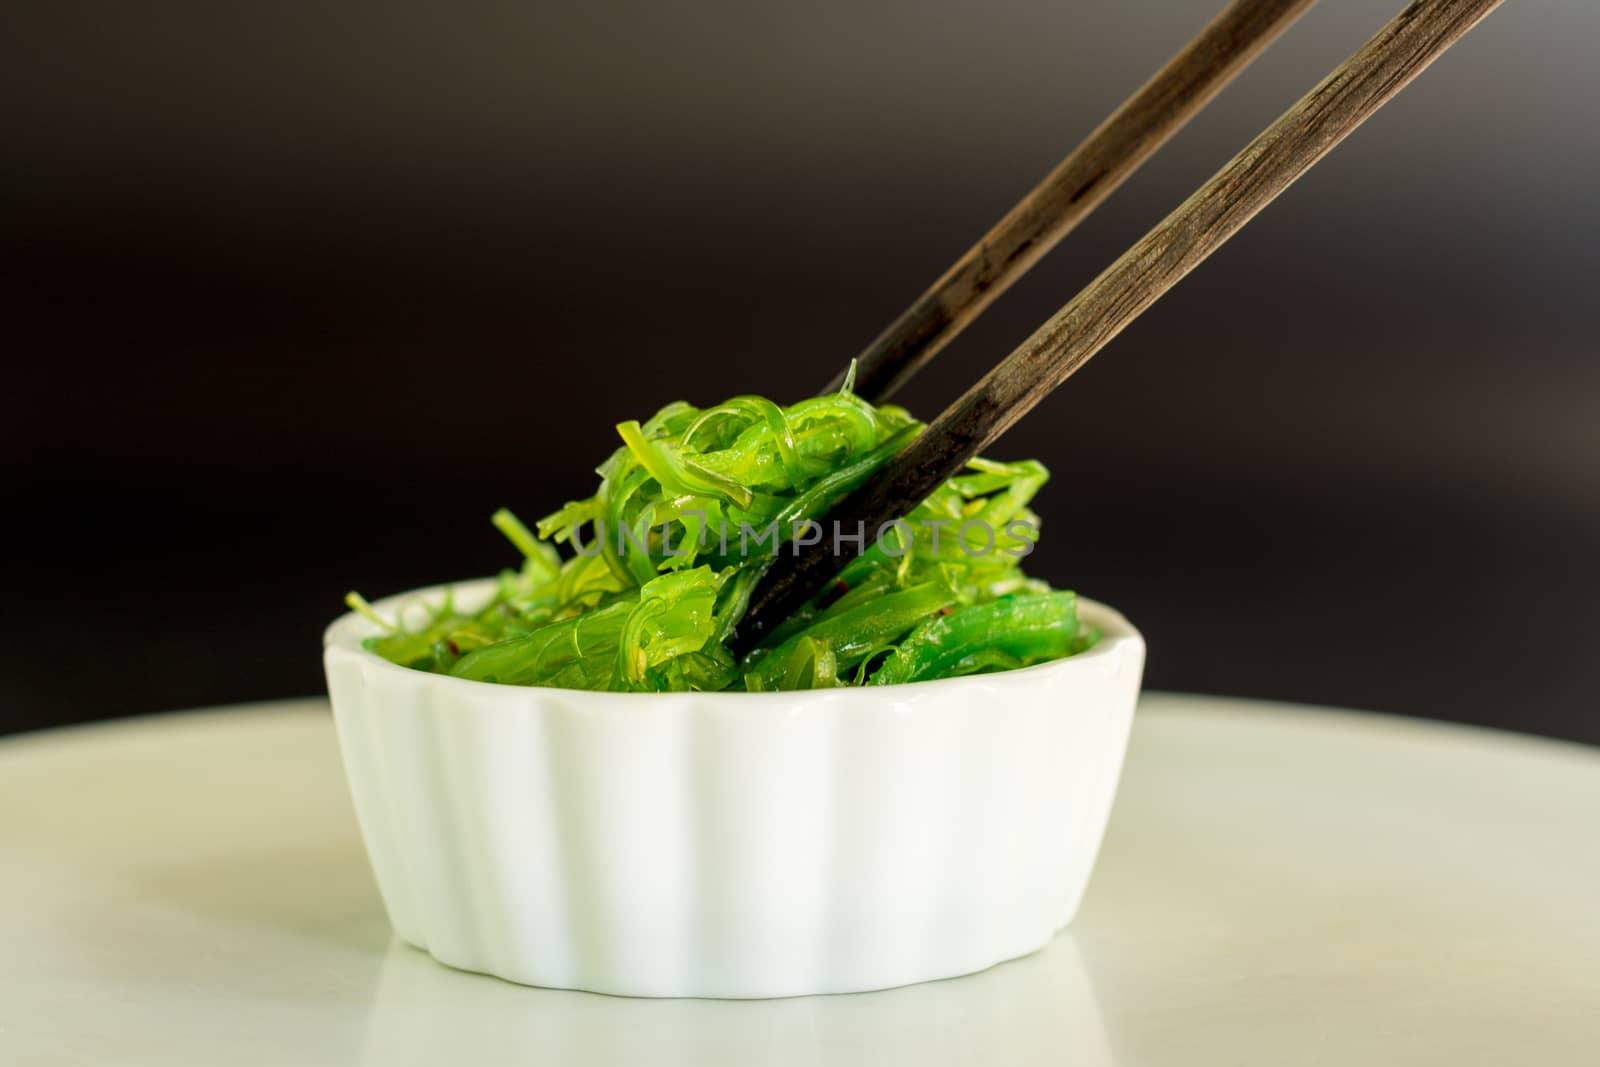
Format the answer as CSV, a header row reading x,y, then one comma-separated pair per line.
x,y
733,844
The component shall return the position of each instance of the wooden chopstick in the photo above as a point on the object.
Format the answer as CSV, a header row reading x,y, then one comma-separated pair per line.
x,y
1158,261
1077,185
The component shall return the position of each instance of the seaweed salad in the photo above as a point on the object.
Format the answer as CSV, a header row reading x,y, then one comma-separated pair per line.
x,y
689,512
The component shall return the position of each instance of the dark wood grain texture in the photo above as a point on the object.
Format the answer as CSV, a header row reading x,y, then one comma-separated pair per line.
x,y
1159,260
1071,191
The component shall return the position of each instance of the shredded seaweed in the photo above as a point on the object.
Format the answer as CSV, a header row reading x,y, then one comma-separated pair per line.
x,y
689,513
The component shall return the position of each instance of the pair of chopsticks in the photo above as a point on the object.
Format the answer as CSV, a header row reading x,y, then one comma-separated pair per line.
x,y
1068,339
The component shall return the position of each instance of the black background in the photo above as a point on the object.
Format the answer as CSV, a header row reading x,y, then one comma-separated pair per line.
x,y
296,295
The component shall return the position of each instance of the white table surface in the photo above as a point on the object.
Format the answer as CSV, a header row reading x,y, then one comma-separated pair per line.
x,y
1279,886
